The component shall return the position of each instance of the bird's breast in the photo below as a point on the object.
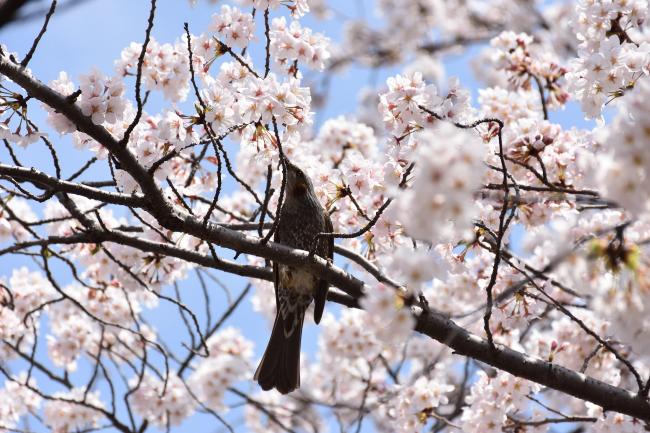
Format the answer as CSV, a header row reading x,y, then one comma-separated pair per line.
x,y
299,226
297,280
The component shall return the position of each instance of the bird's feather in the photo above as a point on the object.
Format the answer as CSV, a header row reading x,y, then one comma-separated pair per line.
x,y
323,286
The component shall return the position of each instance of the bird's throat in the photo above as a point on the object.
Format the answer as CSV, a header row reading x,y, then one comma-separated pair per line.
x,y
299,189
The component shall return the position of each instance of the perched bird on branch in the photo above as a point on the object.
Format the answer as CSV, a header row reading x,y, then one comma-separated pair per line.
x,y
302,218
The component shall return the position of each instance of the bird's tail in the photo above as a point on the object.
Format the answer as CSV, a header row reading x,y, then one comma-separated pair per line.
x,y
280,365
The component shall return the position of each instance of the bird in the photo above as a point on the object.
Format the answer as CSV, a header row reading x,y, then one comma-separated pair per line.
x,y
302,218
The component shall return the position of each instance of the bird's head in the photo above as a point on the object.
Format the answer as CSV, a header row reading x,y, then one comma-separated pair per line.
x,y
298,184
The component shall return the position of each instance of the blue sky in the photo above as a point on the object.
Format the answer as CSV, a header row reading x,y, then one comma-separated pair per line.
x,y
92,35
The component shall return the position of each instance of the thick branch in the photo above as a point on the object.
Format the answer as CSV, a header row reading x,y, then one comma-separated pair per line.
x,y
42,180
99,236
534,369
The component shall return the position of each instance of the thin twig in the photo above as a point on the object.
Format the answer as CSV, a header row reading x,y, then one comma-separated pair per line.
x,y
32,50
138,77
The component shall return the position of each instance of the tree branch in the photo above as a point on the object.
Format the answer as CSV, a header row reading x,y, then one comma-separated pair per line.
x,y
42,180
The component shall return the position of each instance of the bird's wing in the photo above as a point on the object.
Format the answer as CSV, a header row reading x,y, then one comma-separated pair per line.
x,y
323,285
275,284
276,275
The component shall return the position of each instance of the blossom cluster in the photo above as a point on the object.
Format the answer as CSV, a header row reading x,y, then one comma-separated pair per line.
x,y
18,400
12,213
625,169
22,301
73,410
101,98
612,55
492,399
404,106
615,283
414,403
58,121
295,43
14,127
165,67
281,412
500,103
388,320
287,101
234,27
449,170
339,373
30,135
76,329
163,401
228,362
524,61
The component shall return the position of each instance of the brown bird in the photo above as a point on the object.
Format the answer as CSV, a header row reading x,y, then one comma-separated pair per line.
x,y
301,218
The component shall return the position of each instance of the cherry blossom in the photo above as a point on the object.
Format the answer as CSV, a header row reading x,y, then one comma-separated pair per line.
x,y
492,399
166,68
101,98
293,43
525,61
72,410
389,320
625,166
608,60
236,28
20,400
449,172
164,401
63,85
228,361
172,130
